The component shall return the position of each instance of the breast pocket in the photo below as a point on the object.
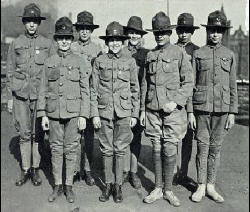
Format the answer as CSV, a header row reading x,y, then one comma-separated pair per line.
x,y
21,54
225,64
105,74
73,73
170,65
41,53
124,73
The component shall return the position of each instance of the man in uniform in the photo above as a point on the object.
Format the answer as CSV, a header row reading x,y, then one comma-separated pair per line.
x,y
135,32
114,106
25,60
185,29
88,50
63,105
214,103
168,84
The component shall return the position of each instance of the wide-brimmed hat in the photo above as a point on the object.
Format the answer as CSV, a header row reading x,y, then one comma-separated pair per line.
x,y
217,19
85,19
63,27
186,20
161,23
135,23
32,11
114,30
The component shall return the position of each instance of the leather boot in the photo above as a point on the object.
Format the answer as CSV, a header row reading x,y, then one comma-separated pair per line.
x,y
23,178
117,193
135,181
89,179
35,177
57,191
106,193
70,196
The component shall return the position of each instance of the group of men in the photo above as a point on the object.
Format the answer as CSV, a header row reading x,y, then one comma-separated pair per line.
x,y
74,90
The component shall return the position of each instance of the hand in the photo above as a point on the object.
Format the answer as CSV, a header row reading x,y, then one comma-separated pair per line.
x,y
169,107
143,119
81,123
10,105
45,123
191,121
96,122
133,122
229,121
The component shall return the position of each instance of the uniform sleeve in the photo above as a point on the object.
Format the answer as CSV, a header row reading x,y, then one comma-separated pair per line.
x,y
85,92
233,108
186,81
11,64
43,90
190,101
94,82
134,88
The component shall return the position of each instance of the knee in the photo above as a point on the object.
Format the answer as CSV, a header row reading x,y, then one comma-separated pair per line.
x,y
170,149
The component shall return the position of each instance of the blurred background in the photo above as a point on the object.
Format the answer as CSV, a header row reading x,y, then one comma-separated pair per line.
x,y
105,11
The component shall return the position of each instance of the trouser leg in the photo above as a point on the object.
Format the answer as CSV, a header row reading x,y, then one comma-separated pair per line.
x,y
22,121
216,139
88,146
71,144
105,137
121,140
56,139
202,136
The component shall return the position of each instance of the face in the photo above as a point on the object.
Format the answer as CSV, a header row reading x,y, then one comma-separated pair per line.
x,y
214,35
135,37
115,45
31,26
184,34
84,33
162,38
64,42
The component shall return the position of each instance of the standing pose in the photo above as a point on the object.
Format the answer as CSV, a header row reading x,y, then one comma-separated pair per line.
x,y
135,32
114,106
169,83
25,61
214,103
64,106
88,50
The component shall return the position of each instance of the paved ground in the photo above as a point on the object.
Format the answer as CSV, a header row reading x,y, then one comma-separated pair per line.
x,y
232,181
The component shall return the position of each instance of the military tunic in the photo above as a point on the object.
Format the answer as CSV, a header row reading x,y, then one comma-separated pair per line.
x,y
25,61
63,97
215,95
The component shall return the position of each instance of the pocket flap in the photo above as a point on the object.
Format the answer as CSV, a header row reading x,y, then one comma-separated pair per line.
x,y
124,95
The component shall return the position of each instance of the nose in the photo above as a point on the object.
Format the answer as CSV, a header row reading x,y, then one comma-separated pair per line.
x,y
32,23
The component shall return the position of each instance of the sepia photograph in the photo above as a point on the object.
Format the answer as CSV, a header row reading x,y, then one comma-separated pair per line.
x,y
124,106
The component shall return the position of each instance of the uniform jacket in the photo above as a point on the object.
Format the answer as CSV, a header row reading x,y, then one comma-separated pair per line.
x,y
88,51
114,86
64,90
169,77
139,54
215,80
25,61
189,48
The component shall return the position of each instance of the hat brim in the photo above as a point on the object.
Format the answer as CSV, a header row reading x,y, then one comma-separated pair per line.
x,y
92,26
56,35
28,17
140,31
162,30
216,26
122,37
187,26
